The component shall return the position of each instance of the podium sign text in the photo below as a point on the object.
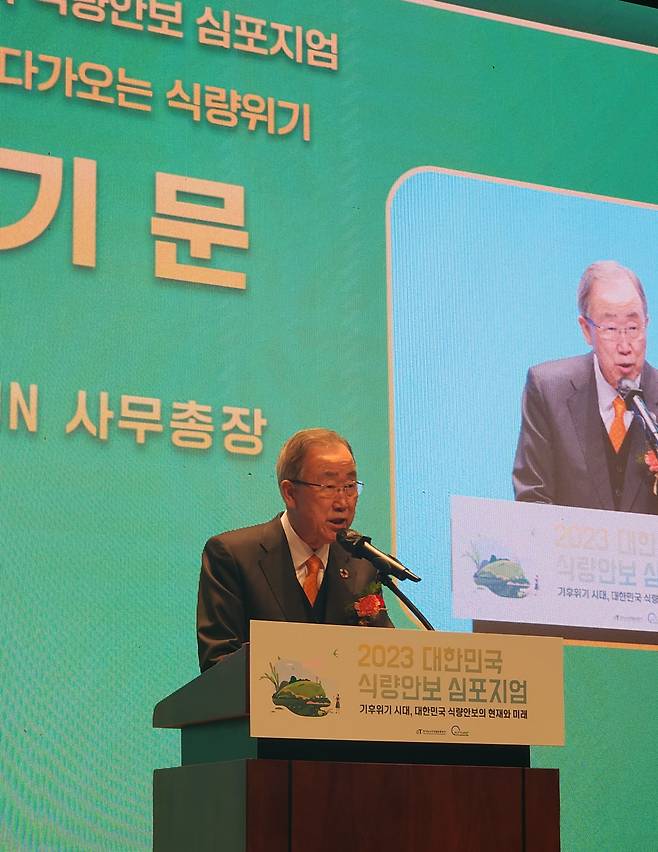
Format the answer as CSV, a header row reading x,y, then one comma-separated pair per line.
x,y
316,681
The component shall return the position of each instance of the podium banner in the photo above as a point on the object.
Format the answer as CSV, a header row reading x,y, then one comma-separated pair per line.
x,y
316,681
532,563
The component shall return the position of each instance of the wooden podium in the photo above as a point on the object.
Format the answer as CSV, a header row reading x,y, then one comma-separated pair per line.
x,y
236,793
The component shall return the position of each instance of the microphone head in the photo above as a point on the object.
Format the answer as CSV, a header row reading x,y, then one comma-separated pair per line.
x,y
351,541
624,386
628,392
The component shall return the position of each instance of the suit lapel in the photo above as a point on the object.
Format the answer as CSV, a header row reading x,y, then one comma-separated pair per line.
x,y
341,575
636,471
584,409
279,572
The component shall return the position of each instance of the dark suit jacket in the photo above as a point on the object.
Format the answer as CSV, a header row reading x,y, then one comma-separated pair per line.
x,y
248,574
561,456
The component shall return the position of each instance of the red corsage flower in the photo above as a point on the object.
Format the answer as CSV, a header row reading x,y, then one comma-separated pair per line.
x,y
652,463
369,606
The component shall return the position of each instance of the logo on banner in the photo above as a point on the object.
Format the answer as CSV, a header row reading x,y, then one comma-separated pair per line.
x,y
303,696
501,575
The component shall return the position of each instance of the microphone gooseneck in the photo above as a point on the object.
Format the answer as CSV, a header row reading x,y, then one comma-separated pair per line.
x,y
634,399
360,545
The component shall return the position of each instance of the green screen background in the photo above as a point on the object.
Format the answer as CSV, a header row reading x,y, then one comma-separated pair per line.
x,y
100,540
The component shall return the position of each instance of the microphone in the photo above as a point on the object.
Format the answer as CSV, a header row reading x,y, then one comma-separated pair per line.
x,y
359,545
634,399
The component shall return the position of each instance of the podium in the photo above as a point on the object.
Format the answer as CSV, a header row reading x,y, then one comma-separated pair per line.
x,y
237,793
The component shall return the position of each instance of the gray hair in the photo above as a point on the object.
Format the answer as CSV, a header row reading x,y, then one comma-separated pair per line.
x,y
606,270
293,453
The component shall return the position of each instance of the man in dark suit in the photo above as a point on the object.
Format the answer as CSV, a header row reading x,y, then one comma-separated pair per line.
x,y
291,568
578,445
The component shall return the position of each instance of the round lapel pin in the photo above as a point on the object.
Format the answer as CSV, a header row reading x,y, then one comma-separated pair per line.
x,y
344,573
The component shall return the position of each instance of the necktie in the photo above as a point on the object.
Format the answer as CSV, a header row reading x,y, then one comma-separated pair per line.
x,y
618,427
313,565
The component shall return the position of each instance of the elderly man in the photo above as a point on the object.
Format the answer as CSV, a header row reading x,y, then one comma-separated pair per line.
x,y
578,445
291,568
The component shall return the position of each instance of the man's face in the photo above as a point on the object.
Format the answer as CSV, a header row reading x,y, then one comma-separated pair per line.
x,y
315,518
616,302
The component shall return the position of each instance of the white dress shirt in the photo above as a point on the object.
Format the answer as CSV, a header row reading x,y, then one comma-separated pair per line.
x,y
300,552
606,394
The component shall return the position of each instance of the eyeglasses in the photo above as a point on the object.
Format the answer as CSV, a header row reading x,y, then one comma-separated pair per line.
x,y
330,492
613,332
